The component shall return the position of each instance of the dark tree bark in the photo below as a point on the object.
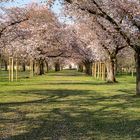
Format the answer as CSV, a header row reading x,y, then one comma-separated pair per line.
x,y
41,67
5,65
57,66
80,68
88,67
33,66
23,67
70,66
137,58
47,66
116,67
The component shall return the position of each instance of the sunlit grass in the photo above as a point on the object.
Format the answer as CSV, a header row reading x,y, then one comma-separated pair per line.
x,y
69,106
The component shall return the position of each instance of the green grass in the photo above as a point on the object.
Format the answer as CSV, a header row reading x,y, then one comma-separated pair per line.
x,y
69,106
4,75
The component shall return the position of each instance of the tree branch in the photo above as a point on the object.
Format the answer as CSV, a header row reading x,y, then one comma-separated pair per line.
x,y
11,24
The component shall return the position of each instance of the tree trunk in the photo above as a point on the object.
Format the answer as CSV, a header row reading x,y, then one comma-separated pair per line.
x,y
115,67
33,66
57,66
47,67
36,67
23,67
88,68
41,67
111,71
80,68
137,58
5,65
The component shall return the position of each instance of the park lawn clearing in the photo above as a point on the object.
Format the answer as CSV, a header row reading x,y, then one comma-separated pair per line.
x,y
69,105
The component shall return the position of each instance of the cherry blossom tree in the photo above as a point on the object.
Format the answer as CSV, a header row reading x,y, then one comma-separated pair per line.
x,y
122,16
86,46
42,36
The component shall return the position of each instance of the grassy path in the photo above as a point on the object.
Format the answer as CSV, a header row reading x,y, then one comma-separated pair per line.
x,y
69,106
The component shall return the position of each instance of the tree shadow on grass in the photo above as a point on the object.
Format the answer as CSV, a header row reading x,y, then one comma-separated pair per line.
x,y
68,82
100,83
86,125
71,73
70,115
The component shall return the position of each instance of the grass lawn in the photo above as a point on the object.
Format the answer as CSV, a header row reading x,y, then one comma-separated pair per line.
x,y
69,106
4,75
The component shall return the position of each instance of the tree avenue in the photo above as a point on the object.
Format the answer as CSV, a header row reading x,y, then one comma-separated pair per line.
x,y
116,18
100,31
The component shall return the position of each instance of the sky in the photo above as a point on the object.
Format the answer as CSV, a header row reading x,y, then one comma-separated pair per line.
x,y
16,3
21,3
